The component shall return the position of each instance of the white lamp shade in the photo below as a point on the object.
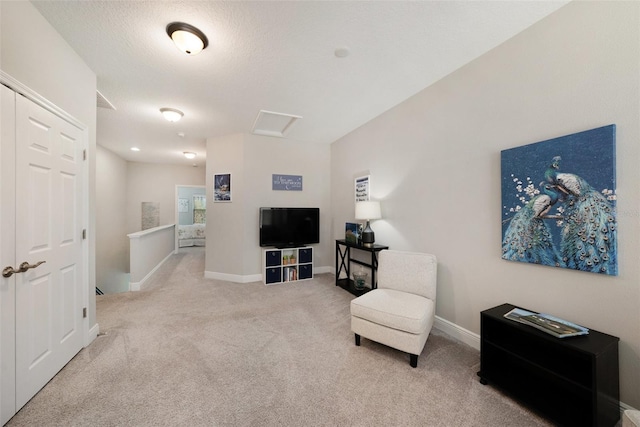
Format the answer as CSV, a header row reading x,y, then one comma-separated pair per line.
x,y
368,210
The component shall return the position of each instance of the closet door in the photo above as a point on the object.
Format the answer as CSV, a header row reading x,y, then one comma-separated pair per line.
x,y
48,237
7,254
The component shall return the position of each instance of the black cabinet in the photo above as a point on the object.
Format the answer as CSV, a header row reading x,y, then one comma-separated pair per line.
x,y
273,258
573,381
305,256
273,275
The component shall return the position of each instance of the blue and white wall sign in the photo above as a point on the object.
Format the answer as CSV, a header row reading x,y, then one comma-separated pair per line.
x,y
286,182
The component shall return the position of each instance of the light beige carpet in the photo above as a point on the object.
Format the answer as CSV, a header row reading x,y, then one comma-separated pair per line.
x,y
190,351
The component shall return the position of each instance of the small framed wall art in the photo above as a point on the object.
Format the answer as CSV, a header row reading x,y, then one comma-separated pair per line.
x,y
222,187
362,188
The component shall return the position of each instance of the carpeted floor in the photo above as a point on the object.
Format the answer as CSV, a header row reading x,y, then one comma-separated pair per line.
x,y
200,352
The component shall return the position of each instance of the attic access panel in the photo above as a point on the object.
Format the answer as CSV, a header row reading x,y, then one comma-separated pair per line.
x,y
270,123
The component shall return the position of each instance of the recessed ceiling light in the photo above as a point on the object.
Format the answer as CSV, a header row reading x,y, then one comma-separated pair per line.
x,y
187,38
189,155
171,114
135,149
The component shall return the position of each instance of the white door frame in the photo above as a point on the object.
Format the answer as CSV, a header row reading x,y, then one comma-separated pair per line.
x,y
89,333
177,214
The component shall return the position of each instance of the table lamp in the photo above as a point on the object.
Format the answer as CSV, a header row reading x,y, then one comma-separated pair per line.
x,y
368,210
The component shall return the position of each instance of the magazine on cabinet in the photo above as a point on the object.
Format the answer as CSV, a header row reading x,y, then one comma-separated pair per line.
x,y
552,325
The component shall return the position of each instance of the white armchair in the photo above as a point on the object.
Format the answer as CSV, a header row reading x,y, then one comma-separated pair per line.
x,y
401,311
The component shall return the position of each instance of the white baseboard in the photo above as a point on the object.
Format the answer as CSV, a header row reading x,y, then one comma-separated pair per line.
x,y
238,278
136,286
323,270
235,278
457,332
92,334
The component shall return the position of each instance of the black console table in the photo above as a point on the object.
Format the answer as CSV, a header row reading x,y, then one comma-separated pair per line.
x,y
573,381
344,260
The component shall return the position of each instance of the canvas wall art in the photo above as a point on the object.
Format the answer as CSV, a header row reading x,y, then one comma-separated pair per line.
x,y
286,182
150,215
559,202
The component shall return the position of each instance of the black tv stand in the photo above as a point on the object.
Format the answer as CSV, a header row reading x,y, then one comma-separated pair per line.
x,y
573,381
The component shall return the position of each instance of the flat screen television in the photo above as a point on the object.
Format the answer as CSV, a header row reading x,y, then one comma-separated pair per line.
x,y
289,227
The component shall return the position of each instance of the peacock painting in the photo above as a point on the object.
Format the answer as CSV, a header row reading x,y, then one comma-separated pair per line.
x,y
569,219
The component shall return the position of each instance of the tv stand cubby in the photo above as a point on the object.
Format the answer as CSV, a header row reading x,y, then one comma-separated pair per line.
x,y
287,265
573,381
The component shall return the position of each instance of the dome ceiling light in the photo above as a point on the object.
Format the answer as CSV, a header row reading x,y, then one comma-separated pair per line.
x,y
187,38
171,114
189,155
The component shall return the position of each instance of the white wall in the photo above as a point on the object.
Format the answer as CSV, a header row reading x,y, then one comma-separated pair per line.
x,y
252,159
435,164
148,182
33,53
112,243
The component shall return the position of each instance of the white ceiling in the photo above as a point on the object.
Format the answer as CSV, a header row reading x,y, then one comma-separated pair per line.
x,y
275,56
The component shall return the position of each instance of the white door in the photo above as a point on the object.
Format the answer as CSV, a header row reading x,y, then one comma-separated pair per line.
x,y
48,237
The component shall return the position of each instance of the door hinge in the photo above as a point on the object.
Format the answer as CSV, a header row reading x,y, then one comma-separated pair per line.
x,y
84,234
84,154
84,312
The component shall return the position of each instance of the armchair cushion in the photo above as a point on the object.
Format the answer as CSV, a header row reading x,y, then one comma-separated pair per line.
x,y
395,309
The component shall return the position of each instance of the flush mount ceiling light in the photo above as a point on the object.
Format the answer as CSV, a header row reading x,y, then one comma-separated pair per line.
x,y
171,114
187,38
189,155
135,149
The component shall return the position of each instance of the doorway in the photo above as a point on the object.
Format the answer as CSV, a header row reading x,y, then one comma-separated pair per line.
x,y
191,216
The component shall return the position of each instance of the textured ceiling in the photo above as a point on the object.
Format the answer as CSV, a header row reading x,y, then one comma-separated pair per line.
x,y
275,56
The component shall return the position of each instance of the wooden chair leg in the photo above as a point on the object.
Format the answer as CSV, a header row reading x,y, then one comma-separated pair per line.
x,y
357,339
413,361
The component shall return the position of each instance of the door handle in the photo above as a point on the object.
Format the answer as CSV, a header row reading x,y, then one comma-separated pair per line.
x,y
8,271
26,266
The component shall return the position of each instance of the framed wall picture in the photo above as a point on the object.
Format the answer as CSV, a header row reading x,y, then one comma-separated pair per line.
x,y
363,188
286,182
222,187
559,202
183,205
